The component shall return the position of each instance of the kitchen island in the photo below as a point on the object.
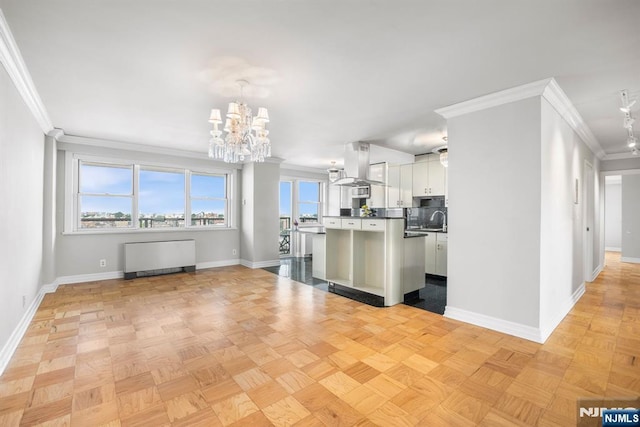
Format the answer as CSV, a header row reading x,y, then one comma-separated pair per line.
x,y
370,256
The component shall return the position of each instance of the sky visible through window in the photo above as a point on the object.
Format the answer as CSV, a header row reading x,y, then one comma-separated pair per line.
x,y
161,192
308,192
285,198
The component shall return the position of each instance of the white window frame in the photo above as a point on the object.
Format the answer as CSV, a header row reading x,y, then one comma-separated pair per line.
x,y
78,194
72,203
296,200
154,168
189,199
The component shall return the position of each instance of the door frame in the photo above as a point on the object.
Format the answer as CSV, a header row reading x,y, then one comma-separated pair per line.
x,y
588,207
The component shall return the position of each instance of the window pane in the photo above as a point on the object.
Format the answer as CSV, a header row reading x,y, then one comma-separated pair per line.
x,y
285,198
308,212
106,179
161,199
105,212
285,205
208,212
208,186
309,191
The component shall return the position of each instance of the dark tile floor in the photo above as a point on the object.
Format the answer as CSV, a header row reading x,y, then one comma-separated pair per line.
x,y
433,297
298,269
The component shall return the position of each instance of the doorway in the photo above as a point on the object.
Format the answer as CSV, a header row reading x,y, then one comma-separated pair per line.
x,y
589,220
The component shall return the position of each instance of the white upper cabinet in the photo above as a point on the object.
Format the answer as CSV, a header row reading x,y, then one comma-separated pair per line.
x,y
406,185
393,189
400,186
420,179
429,177
378,199
437,174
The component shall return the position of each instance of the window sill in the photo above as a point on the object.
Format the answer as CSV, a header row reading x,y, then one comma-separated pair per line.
x,y
147,231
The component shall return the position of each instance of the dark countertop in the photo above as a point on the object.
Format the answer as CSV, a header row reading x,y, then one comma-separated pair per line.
x,y
364,217
311,230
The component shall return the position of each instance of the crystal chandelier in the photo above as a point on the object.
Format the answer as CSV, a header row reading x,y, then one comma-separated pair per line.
x,y
246,135
444,153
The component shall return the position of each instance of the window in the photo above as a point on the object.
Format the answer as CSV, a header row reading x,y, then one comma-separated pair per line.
x,y
208,200
285,205
161,199
105,196
308,201
113,196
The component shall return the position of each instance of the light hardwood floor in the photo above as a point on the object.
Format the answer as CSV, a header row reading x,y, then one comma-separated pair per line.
x,y
234,346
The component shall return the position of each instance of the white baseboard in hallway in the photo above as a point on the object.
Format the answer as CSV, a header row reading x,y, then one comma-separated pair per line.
x,y
16,336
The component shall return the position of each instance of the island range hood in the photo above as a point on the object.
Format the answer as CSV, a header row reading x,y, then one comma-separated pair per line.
x,y
356,166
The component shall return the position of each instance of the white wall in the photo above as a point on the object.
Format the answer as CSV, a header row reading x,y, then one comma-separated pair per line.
x,y
260,214
79,254
516,243
494,212
21,201
621,164
630,218
561,220
613,213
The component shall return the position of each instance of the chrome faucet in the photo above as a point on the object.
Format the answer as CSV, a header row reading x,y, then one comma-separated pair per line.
x,y
444,219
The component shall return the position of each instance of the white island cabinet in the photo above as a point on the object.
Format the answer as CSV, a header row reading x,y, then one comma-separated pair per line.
x,y
371,255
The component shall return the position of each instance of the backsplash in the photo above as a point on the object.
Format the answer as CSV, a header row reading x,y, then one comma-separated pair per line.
x,y
421,217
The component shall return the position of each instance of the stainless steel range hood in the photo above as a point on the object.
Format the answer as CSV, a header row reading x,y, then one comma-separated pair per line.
x,y
356,166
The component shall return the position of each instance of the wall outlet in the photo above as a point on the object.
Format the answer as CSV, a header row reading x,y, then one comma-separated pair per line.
x,y
103,263
234,252
24,301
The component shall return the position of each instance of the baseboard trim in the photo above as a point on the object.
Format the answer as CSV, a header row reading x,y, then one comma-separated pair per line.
x,y
214,264
507,327
93,277
630,259
566,308
16,336
260,264
595,273
612,249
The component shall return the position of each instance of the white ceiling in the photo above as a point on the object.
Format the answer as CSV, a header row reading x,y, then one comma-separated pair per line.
x,y
334,71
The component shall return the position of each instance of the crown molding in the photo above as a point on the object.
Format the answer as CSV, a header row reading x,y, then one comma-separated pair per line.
x,y
56,134
546,88
302,168
562,104
495,99
12,60
67,142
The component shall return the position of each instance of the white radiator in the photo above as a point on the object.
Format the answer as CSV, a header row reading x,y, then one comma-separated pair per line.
x,y
159,257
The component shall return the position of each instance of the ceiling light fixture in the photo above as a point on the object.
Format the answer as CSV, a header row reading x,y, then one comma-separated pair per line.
x,y
334,172
444,153
246,136
628,121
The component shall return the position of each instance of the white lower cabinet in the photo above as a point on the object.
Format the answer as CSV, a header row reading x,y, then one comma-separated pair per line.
x,y
319,264
441,254
436,254
430,253
369,255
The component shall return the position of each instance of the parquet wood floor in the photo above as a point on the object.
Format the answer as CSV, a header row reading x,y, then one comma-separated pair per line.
x,y
234,346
